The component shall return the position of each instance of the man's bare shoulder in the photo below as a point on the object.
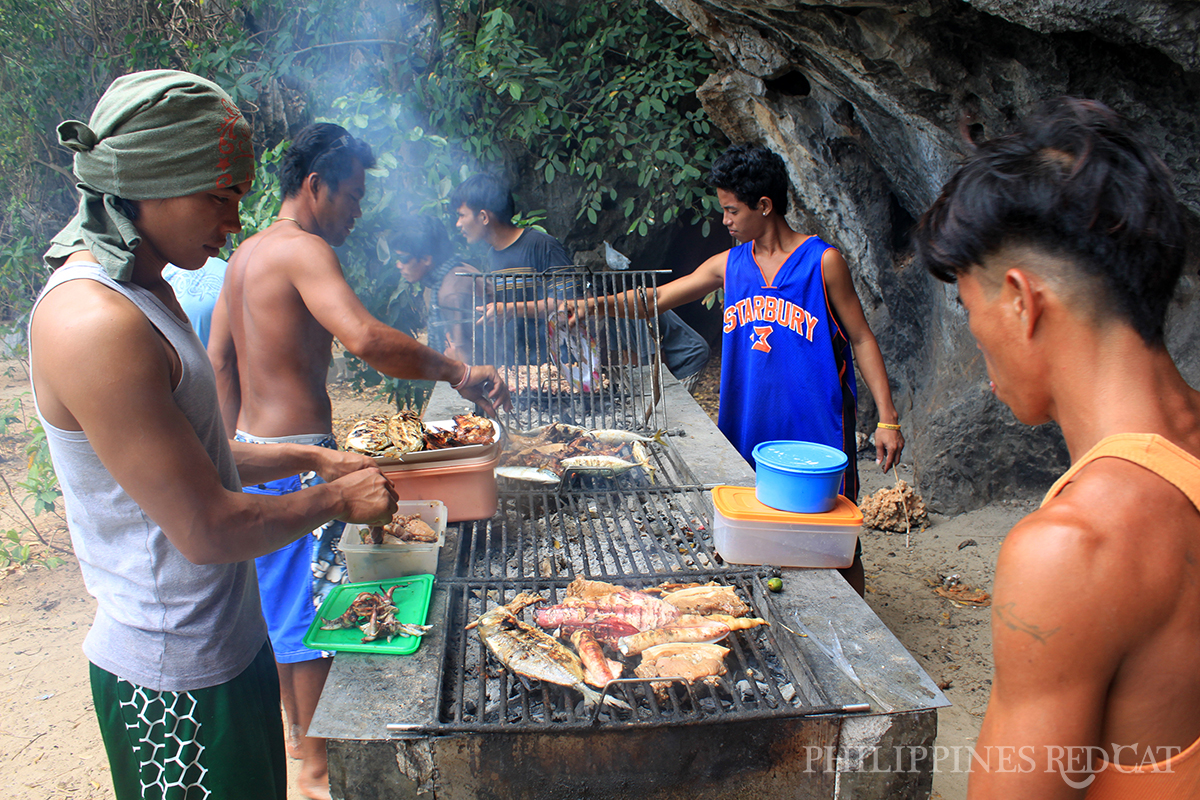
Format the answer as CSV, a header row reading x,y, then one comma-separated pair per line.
x,y
1111,544
283,250
80,311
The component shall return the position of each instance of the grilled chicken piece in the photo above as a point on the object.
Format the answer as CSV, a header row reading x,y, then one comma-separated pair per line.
x,y
710,598
597,670
473,429
687,628
528,651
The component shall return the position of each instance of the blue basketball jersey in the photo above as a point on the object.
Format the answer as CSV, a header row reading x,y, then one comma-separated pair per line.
x,y
786,368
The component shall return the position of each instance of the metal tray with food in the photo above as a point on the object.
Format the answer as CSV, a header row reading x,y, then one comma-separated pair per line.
x,y
442,430
383,617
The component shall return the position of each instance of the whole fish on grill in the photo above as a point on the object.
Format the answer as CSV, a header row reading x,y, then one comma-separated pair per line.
x,y
614,436
596,463
527,651
528,474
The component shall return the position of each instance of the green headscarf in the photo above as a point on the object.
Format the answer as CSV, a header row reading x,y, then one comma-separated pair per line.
x,y
154,135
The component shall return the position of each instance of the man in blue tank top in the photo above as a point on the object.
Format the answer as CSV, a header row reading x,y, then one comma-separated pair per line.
x,y
792,326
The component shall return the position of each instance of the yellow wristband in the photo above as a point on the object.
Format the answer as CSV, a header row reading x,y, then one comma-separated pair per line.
x,y
887,426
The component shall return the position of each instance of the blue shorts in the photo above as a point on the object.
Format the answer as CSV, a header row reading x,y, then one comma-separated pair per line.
x,y
295,579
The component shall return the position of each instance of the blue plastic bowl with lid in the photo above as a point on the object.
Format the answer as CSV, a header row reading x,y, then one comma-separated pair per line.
x,y
801,477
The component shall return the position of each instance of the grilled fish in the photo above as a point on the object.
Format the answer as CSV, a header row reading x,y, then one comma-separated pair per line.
x,y
641,611
527,651
596,463
614,436
370,437
527,474
406,432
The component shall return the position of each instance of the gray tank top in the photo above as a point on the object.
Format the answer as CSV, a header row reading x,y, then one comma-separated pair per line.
x,y
162,622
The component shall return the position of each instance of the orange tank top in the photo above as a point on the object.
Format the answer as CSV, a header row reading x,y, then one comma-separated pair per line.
x,y
1178,776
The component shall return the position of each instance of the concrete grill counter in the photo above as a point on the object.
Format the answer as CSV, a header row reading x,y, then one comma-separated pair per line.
x,y
400,727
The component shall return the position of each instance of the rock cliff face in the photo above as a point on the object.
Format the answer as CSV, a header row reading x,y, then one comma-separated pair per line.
x,y
870,103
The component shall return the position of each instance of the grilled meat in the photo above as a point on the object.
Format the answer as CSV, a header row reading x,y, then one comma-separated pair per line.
x,y
584,589
528,651
709,598
405,528
686,629
684,660
406,432
597,670
370,437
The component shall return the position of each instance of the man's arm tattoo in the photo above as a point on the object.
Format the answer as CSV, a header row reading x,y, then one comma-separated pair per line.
x,y
1011,621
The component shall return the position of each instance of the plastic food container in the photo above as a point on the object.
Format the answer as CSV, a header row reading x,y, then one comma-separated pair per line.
x,y
466,485
747,532
381,562
801,477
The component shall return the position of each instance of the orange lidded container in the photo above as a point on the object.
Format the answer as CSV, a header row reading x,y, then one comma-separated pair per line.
x,y
466,485
747,532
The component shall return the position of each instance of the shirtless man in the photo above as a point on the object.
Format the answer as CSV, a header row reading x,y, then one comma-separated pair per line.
x,y
284,300
184,685
1066,242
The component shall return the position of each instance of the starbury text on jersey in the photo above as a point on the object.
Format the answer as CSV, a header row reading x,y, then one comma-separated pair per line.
x,y
760,308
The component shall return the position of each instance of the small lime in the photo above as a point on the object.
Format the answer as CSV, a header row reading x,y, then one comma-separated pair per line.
x,y
775,584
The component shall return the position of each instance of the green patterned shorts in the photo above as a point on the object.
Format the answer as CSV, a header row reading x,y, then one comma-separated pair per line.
x,y
220,743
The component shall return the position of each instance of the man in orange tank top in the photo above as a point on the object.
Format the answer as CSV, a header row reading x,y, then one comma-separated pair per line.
x,y
1066,241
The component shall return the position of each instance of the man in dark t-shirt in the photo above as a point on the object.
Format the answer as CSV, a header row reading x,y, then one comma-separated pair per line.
x,y
485,208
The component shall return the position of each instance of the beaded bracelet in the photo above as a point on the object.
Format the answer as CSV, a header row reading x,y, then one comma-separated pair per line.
x,y
465,378
887,426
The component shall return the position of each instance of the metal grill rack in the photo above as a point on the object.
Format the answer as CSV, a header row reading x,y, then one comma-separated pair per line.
x,y
545,371
637,529
766,678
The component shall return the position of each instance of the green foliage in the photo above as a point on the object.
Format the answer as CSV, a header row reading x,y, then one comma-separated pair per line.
x,y
601,91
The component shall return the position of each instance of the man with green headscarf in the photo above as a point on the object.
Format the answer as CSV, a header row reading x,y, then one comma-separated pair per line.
x,y
183,677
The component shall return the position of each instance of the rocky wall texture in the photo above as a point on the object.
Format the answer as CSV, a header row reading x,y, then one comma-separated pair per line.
x,y
870,104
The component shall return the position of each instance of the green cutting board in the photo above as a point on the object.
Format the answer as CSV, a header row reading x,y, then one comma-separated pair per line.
x,y
412,604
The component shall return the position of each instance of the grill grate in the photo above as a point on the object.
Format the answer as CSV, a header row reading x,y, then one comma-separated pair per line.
x,y
546,371
637,529
479,694
594,526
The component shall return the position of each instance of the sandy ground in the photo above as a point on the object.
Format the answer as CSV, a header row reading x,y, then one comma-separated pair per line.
x,y
50,745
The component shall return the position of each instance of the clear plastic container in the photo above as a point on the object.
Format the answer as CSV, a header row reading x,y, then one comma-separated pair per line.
x,y
747,532
467,485
381,562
